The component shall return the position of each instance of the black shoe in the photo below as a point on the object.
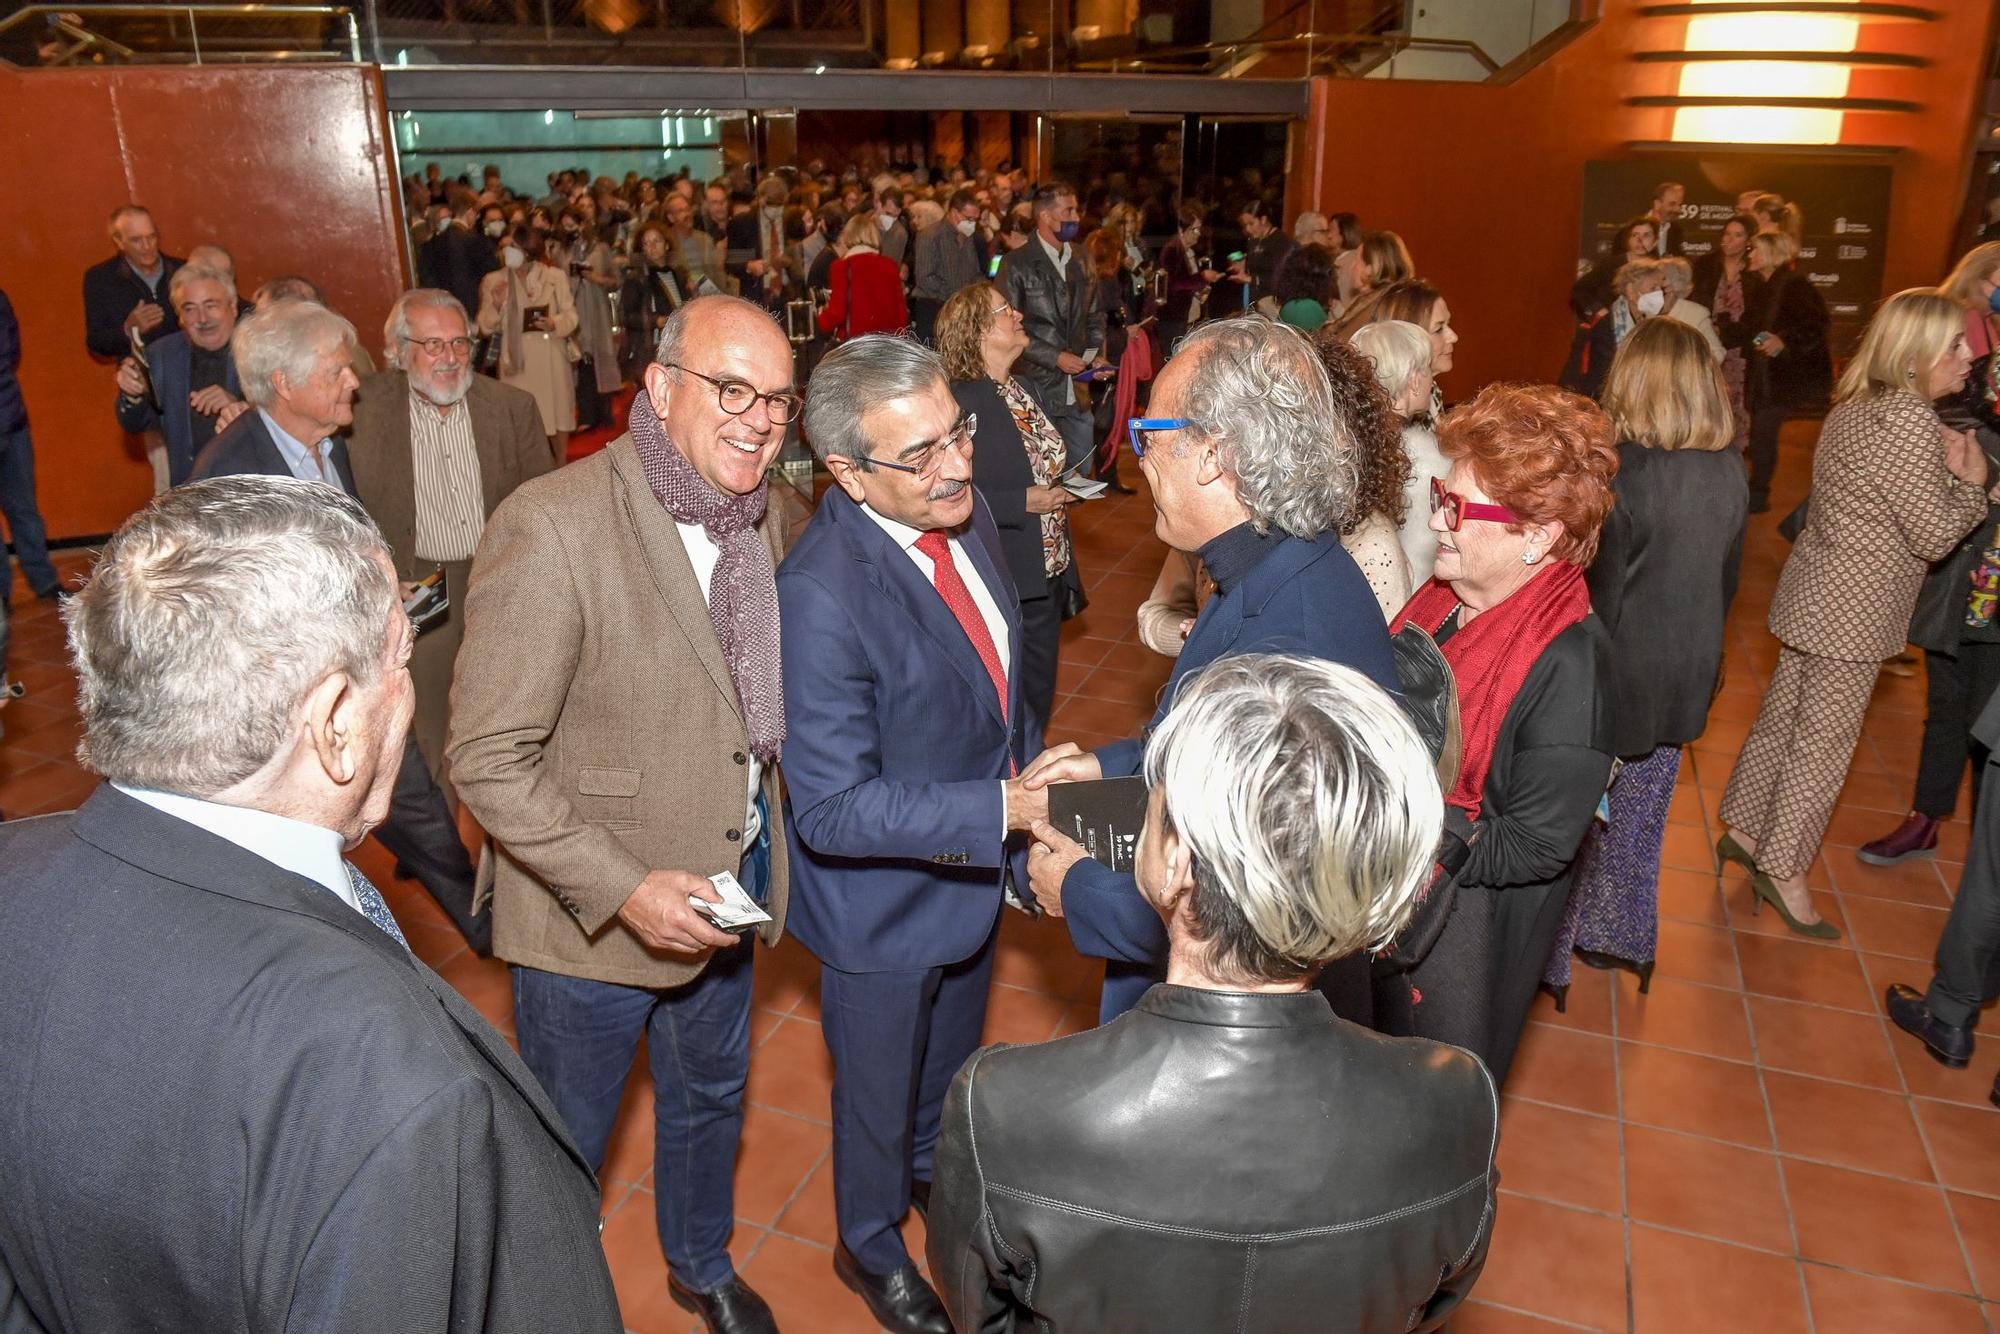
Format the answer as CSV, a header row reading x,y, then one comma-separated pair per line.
x,y
1117,487
730,1309
51,593
920,1199
900,1302
1760,504
1994,1096
1947,1045
403,871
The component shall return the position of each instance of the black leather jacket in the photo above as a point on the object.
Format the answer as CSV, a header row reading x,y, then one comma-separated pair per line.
x,y
1059,309
1214,1161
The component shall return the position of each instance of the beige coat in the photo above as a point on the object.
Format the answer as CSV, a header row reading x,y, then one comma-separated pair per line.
x,y
595,732
1883,508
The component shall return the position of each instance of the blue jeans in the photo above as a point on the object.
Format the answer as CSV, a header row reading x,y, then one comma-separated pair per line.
x,y
579,1037
24,517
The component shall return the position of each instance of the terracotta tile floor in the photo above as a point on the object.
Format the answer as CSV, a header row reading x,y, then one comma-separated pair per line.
x,y
1746,1148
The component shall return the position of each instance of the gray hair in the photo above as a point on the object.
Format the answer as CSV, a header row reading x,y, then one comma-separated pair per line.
x,y
212,256
1311,807
210,615
858,376
397,327
1677,275
284,338
1398,350
674,332
1260,393
197,273
288,288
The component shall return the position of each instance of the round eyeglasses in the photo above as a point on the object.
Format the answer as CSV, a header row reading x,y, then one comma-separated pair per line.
x,y
1457,509
735,396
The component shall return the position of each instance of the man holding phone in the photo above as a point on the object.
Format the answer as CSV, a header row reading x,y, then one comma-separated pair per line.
x,y
615,726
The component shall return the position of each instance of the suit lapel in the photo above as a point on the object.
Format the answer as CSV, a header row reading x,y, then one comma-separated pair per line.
x,y
987,560
892,571
667,560
488,430
391,456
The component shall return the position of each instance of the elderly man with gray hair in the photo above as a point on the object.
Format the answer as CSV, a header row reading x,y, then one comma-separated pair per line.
x,y
1251,463
435,449
1230,1155
234,1098
294,361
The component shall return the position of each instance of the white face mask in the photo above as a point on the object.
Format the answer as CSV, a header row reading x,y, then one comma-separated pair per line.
x,y
1652,303
966,226
495,229
884,221
512,257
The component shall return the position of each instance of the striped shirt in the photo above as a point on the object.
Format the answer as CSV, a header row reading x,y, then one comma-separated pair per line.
x,y
451,513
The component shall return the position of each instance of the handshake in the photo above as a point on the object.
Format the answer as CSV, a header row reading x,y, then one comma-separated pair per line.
x,y
1054,852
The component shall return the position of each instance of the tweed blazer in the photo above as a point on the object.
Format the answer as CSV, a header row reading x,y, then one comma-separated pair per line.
x,y
506,432
595,731
1883,508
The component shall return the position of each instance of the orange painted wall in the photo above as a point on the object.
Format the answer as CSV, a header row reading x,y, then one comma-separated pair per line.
x,y
1485,181
286,167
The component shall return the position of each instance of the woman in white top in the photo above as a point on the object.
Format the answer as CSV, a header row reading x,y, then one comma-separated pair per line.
x,y
527,302
1677,280
1400,353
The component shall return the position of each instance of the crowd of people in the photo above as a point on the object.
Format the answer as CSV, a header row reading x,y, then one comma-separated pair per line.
x,y
1433,673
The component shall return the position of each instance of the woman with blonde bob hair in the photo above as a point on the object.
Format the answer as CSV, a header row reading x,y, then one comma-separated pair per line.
x,y
1662,583
1893,490
1292,817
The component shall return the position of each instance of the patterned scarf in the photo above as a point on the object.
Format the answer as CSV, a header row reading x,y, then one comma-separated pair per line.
x,y
743,593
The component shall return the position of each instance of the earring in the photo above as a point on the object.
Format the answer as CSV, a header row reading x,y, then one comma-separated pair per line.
x,y
1530,556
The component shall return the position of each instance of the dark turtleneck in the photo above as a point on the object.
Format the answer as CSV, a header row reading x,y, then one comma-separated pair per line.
x,y
1230,556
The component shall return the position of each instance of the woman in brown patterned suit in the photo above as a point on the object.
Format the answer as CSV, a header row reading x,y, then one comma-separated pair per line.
x,y
1893,489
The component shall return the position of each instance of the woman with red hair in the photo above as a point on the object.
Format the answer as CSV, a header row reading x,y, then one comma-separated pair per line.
x,y
1517,520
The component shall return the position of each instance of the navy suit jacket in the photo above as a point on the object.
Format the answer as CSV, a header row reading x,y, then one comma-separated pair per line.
x,y
247,448
172,363
1304,598
894,747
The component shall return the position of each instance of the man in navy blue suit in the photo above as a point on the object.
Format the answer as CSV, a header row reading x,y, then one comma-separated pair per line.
x,y
192,393
1251,464
904,726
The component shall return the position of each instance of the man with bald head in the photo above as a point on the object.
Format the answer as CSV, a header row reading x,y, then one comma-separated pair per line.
x,y
615,726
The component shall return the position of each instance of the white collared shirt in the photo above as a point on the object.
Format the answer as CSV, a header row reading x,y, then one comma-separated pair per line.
x,y
982,597
906,537
703,554
291,845
297,457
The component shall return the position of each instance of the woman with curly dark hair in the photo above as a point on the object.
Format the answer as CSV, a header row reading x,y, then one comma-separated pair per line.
x,y
1372,531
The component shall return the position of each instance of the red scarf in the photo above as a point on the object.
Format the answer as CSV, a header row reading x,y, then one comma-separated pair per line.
x,y
1490,657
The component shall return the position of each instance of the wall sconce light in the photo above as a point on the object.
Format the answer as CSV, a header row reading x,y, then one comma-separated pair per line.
x,y
1773,71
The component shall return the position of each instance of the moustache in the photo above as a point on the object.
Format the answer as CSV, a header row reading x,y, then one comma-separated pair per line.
x,y
947,491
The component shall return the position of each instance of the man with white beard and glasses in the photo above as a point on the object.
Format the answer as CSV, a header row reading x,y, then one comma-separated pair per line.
x,y
435,448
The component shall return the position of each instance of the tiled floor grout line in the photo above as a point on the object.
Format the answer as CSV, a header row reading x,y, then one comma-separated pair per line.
x,y
1624,1179
1763,1092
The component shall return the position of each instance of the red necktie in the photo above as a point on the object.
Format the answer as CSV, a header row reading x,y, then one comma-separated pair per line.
x,y
958,598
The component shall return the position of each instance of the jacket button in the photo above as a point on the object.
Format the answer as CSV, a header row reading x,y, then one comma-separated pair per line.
x,y
740,757
733,835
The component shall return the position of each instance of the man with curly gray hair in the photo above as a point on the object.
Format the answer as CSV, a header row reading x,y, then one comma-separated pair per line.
x,y
1251,464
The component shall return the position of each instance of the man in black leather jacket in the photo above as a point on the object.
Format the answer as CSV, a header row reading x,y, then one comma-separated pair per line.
x,y
1229,1155
1045,280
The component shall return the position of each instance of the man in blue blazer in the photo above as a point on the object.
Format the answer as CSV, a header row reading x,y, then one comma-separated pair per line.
x,y
1251,464
192,392
904,724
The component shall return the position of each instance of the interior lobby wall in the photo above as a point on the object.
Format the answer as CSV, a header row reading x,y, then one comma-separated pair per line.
x,y
1484,181
286,167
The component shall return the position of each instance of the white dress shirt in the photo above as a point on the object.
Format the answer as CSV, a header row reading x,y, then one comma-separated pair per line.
x,y
297,457
291,845
906,537
703,554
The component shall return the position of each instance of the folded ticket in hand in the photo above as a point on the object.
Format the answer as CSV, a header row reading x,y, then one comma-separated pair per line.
x,y
737,911
1085,488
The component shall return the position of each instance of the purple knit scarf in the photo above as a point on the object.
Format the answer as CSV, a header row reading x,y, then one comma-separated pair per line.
x,y
743,593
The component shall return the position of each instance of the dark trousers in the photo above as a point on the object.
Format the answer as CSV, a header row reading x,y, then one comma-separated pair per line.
x,y
896,1039
1968,953
1041,643
422,834
1762,451
1078,431
24,516
1957,689
923,317
579,1037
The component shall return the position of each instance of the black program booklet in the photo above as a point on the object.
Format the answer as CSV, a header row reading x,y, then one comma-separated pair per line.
x,y
1105,816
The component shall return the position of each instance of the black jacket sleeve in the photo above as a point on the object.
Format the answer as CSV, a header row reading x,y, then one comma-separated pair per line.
x,y
1549,767
103,322
968,1265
